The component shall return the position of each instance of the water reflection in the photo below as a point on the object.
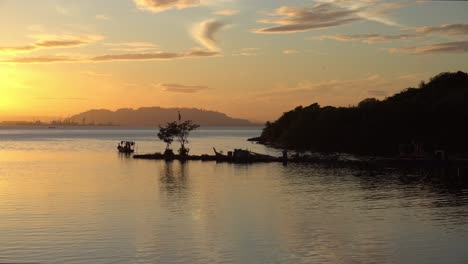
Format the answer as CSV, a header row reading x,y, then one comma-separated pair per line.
x,y
364,208
174,185
173,180
93,206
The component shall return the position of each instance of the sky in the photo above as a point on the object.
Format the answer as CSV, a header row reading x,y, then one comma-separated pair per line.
x,y
248,59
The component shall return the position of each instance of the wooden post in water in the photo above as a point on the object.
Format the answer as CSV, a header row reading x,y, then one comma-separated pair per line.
x,y
285,157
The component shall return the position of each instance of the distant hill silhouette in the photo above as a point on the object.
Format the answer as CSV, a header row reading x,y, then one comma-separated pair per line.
x,y
435,113
152,116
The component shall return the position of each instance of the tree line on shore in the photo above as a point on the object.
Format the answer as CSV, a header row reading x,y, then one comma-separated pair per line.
x,y
434,114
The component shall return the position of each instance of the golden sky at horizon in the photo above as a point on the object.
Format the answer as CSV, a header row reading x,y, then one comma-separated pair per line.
x,y
248,59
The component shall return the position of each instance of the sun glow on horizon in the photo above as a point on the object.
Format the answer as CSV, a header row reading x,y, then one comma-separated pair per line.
x,y
61,60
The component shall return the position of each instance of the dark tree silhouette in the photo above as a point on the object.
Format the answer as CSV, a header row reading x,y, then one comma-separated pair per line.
x,y
167,133
183,133
434,113
177,131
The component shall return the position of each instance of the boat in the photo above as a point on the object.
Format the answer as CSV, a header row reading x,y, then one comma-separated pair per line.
x,y
218,154
127,147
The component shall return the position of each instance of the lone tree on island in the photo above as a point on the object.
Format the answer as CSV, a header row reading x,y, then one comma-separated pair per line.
x,y
167,134
177,131
184,130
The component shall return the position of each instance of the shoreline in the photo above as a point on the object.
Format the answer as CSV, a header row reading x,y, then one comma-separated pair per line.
x,y
458,167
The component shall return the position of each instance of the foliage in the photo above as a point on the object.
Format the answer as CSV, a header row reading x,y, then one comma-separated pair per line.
x,y
184,130
434,114
168,133
177,131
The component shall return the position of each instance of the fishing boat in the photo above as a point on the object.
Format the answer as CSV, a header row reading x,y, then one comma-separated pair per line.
x,y
127,147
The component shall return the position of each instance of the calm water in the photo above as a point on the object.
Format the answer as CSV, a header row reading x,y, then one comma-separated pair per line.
x,y
66,196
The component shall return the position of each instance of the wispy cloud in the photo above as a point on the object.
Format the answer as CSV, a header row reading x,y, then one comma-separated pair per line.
x,y
328,13
180,88
227,12
154,56
291,51
206,33
438,48
133,46
372,10
40,59
296,19
447,29
194,53
247,52
52,41
369,38
156,6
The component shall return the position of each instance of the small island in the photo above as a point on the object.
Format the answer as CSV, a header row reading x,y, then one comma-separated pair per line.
x,y
416,128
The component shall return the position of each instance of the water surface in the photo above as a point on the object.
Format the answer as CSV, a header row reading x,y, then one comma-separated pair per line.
x,y
66,196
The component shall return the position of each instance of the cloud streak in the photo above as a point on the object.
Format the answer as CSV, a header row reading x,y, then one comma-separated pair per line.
x,y
157,6
447,29
290,52
439,48
179,88
292,19
133,46
206,33
369,38
52,42
456,31
327,14
372,10
227,12
154,56
248,52
195,53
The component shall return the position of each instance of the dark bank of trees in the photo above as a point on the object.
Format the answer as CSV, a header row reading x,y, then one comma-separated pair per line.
x,y
435,113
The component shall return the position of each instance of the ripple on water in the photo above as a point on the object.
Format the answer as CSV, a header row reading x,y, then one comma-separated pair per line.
x,y
68,198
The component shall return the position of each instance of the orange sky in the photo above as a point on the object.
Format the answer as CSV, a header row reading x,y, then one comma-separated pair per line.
x,y
248,60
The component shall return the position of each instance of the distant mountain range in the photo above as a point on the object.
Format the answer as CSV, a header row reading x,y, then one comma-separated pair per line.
x,y
152,116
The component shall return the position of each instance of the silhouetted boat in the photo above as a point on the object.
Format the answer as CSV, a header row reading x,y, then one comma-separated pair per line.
x,y
218,154
127,147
